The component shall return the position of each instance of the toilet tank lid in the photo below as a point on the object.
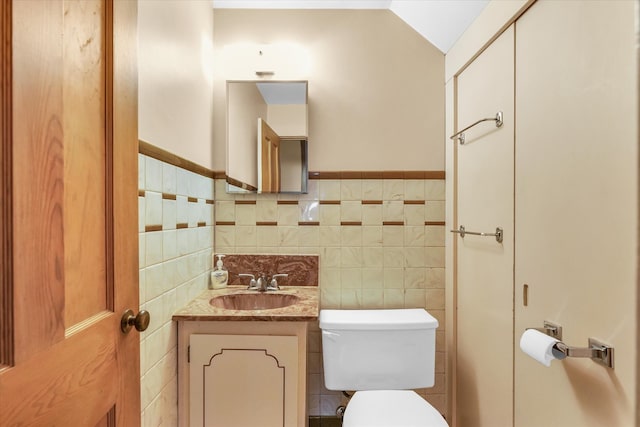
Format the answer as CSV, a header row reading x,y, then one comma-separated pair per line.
x,y
410,318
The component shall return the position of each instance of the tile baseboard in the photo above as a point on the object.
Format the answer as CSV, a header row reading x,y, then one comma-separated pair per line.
x,y
322,421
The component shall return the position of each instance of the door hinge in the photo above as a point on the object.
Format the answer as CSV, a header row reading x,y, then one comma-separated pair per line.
x,y
188,354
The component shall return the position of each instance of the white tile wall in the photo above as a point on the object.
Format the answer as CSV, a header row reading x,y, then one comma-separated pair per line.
x,y
367,266
174,267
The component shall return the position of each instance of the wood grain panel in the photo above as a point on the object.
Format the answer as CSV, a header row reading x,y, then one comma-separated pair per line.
x,y
70,386
125,207
37,213
109,419
85,152
165,156
240,184
90,373
6,232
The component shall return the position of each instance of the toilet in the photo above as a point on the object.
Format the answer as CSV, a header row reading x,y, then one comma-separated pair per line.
x,y
382,355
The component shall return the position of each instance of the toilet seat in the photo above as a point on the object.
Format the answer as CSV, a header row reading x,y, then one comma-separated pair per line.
x,y
391,408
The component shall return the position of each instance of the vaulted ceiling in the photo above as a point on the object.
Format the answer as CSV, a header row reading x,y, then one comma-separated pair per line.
x,y
441,22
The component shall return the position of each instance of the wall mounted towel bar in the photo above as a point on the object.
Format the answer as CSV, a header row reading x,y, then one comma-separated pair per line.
x,y
498,234
460,134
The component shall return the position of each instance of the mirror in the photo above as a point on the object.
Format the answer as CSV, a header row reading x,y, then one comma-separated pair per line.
x,y
267,137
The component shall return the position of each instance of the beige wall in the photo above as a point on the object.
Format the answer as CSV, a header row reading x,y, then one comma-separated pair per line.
x,y
175,114
246,105
288,120
376,98
290,165
497,15
376,103
175,77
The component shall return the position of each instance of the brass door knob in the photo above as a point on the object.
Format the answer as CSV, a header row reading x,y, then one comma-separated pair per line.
x,y
129,320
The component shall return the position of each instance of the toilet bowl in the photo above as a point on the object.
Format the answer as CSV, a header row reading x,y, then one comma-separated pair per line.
x,y
386,408
383,355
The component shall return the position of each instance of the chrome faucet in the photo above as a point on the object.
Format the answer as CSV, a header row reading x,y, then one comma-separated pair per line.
x,y
273,284
252,283
264,282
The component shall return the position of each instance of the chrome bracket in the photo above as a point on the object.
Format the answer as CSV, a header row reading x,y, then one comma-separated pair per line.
x,y
551,329
597,351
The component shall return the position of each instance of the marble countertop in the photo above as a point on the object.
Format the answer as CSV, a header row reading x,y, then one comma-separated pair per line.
x,y
200,309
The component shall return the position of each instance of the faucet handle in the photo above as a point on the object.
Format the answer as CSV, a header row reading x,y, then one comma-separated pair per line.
x,y
273,285
252,283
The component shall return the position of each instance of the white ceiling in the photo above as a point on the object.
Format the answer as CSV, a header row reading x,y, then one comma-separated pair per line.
x,y
439,21
283,93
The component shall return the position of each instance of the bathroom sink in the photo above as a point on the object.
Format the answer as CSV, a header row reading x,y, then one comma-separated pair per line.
x,y
258,301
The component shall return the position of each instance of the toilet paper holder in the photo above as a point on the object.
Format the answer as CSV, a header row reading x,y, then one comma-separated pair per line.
x,y
550,329
596,350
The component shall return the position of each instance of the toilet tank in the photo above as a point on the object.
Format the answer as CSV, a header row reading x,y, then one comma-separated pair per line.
x,y
378,349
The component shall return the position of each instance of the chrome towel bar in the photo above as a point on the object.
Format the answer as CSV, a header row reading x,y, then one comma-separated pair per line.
x,y
460,134
498,234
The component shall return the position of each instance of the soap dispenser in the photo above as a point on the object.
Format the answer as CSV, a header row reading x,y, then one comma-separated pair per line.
x,y
219,276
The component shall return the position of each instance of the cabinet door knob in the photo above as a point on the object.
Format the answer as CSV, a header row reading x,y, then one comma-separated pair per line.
x,y
129,320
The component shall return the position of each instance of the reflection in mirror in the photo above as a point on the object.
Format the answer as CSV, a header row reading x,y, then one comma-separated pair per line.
x,y
267,137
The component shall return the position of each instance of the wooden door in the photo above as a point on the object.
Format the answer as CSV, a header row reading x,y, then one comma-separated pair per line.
x,y
577,208
69,258
269,146
484,288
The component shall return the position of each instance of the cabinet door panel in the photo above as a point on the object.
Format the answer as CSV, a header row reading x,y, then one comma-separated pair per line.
x,y
243,381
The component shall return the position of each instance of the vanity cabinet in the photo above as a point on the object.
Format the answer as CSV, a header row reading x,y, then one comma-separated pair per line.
x,y
242,373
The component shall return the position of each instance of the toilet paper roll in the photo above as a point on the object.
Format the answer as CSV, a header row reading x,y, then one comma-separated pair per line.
x,y
538,345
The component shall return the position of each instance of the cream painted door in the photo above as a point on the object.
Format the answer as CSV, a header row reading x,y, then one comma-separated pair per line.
x,y
484,180
576,207
69,264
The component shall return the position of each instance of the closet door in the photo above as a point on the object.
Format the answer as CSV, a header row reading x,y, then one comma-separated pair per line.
x,y
484,266
576,207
